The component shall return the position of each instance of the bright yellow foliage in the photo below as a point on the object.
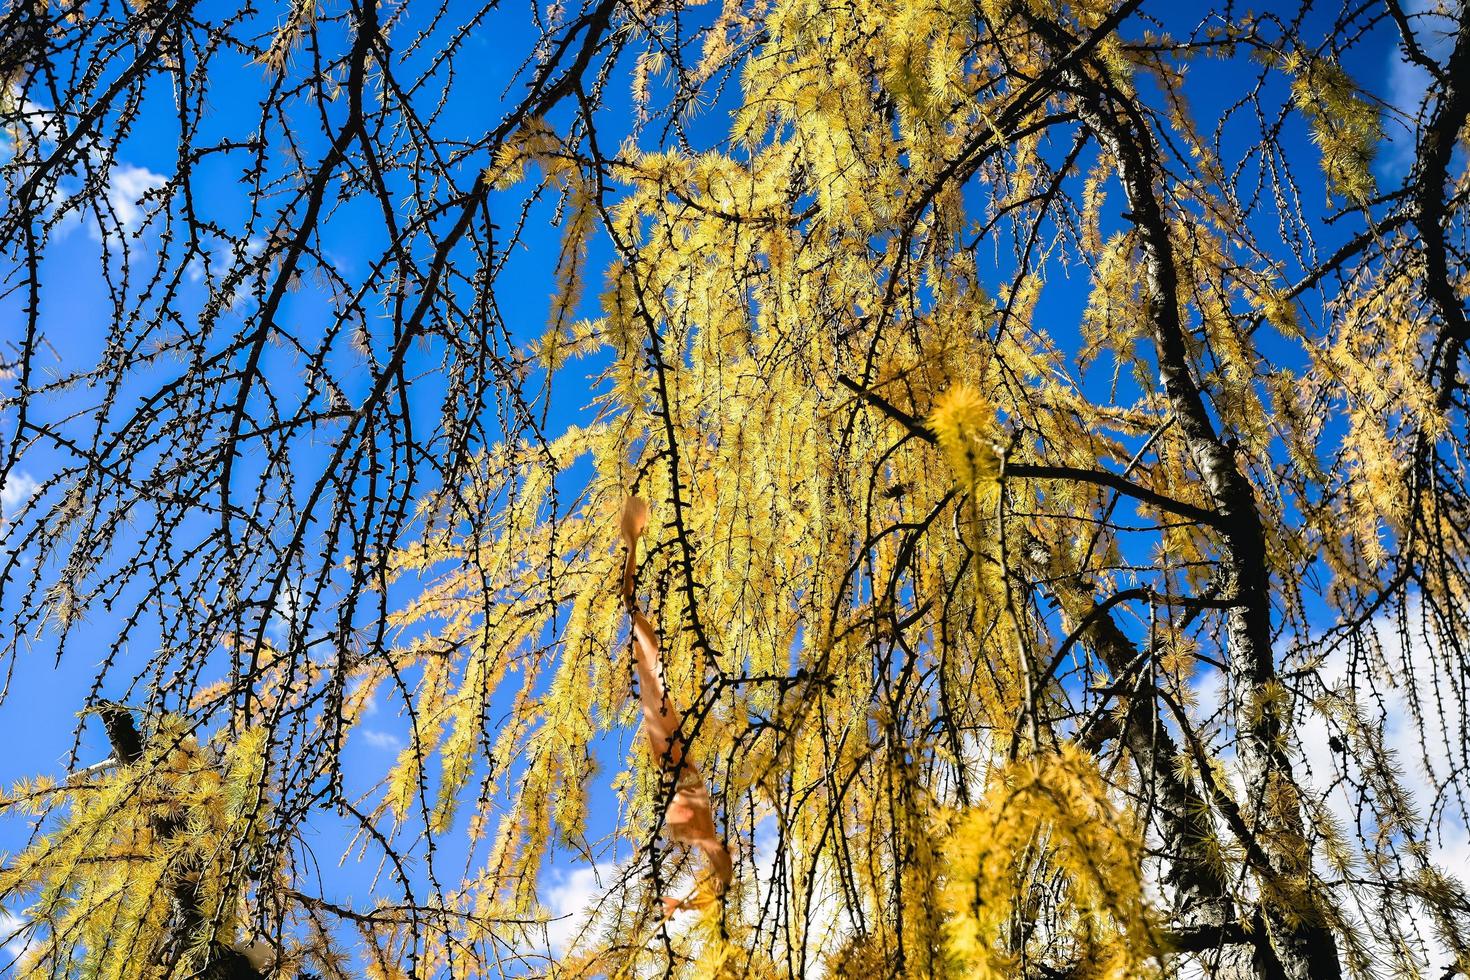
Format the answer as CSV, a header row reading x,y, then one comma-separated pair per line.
x,y
1029,492
184,819
1048,819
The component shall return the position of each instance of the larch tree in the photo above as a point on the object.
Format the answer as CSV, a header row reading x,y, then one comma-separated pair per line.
x,y
1008,457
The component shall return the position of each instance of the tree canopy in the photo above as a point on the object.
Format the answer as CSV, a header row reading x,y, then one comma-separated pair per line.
x,y
1008,458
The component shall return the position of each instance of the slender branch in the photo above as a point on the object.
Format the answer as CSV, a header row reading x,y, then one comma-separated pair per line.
x,y
1042,471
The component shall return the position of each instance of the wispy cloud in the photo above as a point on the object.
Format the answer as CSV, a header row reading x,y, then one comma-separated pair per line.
x,y
286,612
1422,736
569,900
1408,82
18,488
125,186
15,934
1406,700
380,739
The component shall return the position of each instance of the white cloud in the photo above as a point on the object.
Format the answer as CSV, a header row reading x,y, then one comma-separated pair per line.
x,y
369,706
127,185
124,188
569,901
16,935
18,488
1408,82
571,898
37,124
286,613
1407,693
379,739
1407,697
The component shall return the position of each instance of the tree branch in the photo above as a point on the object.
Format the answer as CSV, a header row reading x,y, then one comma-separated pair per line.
x,y
1042,471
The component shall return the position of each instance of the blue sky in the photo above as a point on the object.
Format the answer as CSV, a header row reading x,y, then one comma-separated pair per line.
x,y
49,685
37,717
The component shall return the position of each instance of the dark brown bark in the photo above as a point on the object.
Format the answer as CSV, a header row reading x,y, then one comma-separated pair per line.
x,y
1201,893
1436,147
1301,946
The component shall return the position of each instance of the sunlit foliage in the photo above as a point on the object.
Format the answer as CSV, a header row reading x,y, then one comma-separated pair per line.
x,y
1055,519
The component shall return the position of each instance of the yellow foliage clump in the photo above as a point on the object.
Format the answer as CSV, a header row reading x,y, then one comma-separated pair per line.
x,y
1345,126
1048,832
184,819
964,423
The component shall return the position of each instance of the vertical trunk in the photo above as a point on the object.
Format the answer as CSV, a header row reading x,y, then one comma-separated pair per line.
x,y
1300,944
1201,894
1431,170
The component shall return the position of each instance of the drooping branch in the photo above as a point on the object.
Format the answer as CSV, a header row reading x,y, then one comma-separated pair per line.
x,y
1303,947
1043,471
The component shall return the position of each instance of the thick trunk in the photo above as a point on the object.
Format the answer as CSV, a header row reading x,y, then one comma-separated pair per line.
x,y
1300,946
1431,170
1201,894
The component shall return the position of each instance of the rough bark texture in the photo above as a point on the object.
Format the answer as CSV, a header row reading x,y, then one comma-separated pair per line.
x,y
1431,170
1301,946
1202,895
